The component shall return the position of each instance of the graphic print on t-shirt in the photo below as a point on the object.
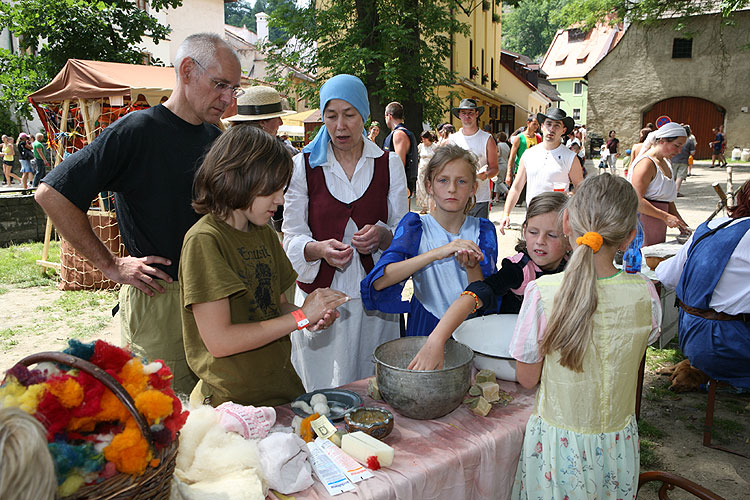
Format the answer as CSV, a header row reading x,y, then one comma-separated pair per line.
x,y
257,275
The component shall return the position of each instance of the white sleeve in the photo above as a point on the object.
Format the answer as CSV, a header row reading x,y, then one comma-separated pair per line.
x,y
656,312
669,271
398,202
297,233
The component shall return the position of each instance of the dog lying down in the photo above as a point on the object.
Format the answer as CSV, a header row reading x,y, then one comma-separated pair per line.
x,y
684,377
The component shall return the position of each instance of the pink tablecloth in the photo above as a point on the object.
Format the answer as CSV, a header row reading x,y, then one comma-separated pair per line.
x,y
459,456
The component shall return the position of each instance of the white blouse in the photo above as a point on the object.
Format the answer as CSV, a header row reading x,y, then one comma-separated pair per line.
x,y
297,233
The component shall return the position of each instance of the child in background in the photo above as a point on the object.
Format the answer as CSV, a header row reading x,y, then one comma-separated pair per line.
x,y
626,162
604,154
443,251
236,320
27,471
541,251
582,334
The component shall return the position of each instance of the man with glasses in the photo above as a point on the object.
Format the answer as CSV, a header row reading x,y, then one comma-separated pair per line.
x,y
148,159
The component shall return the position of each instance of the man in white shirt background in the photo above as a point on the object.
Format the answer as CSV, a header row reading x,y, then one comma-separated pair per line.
x,y
548,166
483,145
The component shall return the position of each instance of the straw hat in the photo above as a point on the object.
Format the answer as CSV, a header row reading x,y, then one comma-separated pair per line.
x,y
259,103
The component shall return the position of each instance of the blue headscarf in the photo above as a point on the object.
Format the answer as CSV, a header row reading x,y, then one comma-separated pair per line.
x,y
345,87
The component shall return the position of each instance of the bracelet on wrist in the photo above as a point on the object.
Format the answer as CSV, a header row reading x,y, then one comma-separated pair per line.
x,y
475,297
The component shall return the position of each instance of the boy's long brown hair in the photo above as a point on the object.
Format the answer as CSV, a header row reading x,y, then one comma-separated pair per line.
x,y
244,162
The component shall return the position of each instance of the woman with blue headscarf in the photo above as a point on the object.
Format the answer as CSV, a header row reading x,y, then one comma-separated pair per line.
x,y
344,200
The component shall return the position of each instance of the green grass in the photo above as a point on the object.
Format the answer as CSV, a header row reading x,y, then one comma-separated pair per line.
x,y
659,358
648,430
649,458
18,265
659,391
735,406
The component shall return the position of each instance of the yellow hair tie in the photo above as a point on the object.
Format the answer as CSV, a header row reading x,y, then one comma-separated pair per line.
x,y
591,239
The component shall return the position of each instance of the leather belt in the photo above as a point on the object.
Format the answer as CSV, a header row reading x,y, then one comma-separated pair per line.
x,y
714,315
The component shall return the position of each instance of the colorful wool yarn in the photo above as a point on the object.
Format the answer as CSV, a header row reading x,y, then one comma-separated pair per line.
x,y
91,434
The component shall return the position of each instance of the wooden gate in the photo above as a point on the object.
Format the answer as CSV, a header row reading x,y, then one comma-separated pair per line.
x,y
700,114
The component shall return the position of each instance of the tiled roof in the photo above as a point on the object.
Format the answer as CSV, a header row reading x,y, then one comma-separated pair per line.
x,y
573,53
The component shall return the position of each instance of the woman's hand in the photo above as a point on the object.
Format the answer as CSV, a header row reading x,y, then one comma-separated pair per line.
x,y
429,357
674,221
320,306
368,239
336,253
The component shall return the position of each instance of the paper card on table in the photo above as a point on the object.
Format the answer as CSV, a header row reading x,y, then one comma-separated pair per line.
x,y
323,427
353,470
328,472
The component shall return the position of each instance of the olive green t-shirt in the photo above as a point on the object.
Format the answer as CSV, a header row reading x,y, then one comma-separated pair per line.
x,y
252,270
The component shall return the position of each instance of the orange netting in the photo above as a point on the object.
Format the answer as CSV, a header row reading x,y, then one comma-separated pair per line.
x,y
77,273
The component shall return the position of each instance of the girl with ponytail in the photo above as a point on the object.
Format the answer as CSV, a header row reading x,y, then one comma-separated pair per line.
x,y
581,335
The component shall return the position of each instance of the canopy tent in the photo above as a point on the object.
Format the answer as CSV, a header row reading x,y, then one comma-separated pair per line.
x,y
83,99
297,119
82,79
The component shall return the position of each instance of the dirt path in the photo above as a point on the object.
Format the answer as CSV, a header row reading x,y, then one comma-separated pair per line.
x,y
26,327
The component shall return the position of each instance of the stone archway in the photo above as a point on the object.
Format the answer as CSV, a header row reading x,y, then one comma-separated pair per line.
x,y
702,116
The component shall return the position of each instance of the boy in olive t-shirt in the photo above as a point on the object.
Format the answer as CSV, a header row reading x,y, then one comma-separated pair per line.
x,y
233,272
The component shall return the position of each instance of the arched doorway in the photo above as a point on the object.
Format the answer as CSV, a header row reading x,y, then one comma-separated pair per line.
x,y
700,114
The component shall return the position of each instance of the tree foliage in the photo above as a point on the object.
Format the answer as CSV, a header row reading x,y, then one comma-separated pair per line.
x,y
241,13
399,48
590,12
52,31
529,28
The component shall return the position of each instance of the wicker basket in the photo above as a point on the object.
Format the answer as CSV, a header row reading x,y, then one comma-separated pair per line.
x,y
156,482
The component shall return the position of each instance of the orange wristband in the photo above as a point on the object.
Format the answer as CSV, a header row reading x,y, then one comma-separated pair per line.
x,y
301,319
476,299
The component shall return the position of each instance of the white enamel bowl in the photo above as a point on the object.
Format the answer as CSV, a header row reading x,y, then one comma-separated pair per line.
x,y
489,337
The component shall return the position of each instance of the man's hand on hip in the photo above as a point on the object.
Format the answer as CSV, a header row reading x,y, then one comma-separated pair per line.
x,y
139,272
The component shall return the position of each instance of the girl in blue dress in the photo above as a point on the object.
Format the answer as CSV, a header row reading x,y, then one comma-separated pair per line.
x,y
442,251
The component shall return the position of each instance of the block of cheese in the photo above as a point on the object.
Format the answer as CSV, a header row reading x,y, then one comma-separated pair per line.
x,y
360,446
490,391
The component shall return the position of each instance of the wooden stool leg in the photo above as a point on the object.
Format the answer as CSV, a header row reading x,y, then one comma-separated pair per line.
x,y
708,426
639,389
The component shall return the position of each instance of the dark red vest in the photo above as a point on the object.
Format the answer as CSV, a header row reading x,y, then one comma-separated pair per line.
x,y
327,216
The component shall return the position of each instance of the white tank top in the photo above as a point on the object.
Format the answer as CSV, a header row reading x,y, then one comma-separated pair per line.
x,y
477,144
662,188
547,170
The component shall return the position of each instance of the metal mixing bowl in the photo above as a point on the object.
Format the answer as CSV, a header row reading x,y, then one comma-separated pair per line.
x,y
422,395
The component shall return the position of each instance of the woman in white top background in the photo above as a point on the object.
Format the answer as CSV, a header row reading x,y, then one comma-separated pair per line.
x,y
344,200
426,151
651,176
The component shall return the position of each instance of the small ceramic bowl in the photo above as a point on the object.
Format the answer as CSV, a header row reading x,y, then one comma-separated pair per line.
x,y
377,422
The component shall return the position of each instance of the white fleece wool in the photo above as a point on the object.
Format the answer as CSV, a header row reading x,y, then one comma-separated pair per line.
x,y
213,463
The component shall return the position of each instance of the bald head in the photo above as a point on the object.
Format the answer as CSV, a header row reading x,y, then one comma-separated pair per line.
x,y
203,47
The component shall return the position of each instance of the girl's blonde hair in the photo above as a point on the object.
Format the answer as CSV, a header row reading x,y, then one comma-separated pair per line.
x,y
27,471
605,204
541,204
446,154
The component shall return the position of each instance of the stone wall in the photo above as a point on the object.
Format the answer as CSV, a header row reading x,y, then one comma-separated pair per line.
x,y
640,71
21,219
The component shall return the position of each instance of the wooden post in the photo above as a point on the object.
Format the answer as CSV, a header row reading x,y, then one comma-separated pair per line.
x,y
87,126
58,158
730,191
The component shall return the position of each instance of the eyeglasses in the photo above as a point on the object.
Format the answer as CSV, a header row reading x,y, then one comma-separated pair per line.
x,y
236,90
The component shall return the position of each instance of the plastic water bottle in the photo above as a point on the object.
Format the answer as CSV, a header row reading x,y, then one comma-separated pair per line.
x,y
631,261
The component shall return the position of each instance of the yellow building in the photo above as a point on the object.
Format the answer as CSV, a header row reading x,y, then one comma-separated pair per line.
x,y
487,74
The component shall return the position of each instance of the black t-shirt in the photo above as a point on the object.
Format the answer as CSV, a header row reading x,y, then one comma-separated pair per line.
x,y
148,158
612,145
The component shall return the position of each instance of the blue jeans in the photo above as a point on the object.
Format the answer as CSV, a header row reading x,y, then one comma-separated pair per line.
x,y
41,171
